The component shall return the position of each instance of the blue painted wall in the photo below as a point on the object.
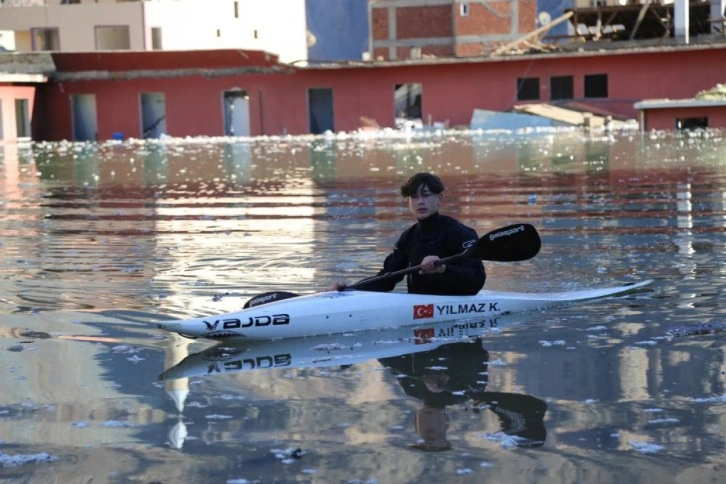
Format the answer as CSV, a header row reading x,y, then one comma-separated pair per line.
x,y
556,8
340,28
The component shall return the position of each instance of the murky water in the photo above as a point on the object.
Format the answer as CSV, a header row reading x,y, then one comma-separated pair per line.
x,y
99,242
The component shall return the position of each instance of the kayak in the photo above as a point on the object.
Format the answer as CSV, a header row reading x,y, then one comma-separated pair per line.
x,y
234,355
350,310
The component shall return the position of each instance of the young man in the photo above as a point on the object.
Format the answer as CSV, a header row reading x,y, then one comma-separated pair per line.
x,y
431,238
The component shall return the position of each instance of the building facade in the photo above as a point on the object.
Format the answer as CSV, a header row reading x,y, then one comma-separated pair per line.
x,y
413,29
665,115
276,26
214,93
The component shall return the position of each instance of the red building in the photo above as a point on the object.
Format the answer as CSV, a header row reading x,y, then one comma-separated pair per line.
x,y
215,93
666,114
210,93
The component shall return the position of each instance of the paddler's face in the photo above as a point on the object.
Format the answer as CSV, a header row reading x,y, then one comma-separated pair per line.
x,y
424,203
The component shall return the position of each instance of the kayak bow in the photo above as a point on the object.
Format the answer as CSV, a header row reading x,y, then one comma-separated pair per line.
x,y
346,311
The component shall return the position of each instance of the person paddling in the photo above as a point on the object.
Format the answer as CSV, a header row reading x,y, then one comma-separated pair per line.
x,y
431,238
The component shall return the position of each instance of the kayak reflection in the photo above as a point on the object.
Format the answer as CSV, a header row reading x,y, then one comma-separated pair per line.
x,y
439,364
456,373
237,354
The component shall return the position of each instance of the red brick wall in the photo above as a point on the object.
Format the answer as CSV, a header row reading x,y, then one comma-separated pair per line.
x,y
527,16
430,50
482,20
470,50
438,50
422,22
380,53
379,23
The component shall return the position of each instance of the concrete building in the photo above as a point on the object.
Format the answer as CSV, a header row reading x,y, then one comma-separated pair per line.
x,y
275,26
412,29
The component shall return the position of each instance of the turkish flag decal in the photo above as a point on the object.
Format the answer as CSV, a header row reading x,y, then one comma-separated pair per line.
x,y
423,311
423,335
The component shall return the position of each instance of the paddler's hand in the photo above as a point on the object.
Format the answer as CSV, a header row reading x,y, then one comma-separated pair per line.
x,y
338,286
429,266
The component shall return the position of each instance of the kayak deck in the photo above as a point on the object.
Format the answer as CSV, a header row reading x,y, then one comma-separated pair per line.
x,y
347,311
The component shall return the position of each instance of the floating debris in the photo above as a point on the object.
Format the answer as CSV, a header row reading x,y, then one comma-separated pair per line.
x,y
7,460
696,329
717,399
646,447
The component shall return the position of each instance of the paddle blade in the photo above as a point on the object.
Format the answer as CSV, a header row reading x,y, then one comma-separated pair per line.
x,y
508,244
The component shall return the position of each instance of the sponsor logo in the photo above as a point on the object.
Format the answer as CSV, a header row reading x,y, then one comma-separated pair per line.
x,y
236,323
422,311
506,233
468,244
263,299
423,335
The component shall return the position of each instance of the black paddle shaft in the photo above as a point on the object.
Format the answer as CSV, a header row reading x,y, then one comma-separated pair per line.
x,y
512,243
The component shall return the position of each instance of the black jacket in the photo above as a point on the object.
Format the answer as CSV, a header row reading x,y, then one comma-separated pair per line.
x,y
436,235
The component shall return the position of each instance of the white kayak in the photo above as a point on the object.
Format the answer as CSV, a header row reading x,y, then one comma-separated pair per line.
x,y
346,311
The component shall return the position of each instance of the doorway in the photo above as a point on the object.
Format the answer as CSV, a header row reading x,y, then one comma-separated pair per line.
x,y
408,104
84,117
153,115
320,110
22,119
236,113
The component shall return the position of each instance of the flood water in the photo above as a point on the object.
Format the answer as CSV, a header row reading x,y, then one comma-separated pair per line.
x,y
99,242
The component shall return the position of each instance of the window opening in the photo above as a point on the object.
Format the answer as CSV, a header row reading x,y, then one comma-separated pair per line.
x,y
527,89
113,37
692,123
596,85
561,87
156,38
46,39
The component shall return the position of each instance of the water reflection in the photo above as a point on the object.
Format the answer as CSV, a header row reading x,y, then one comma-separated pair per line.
x,y
456,373
195,227
438,371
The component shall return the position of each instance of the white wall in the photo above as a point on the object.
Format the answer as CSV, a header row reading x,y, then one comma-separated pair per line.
x,y
275,26
76,23
279,25
7,40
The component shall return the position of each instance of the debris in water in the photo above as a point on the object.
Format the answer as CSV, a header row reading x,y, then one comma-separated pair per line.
x,y
717,399
696,329
7,460
646,447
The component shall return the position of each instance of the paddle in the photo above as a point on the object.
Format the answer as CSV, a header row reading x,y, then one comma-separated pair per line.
x,y
268,297
512,243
